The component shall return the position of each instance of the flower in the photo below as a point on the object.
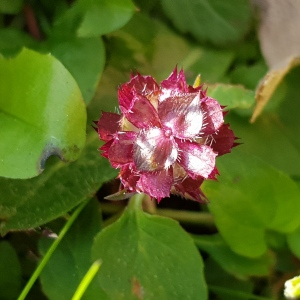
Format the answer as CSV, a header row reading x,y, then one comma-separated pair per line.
x,y
166,138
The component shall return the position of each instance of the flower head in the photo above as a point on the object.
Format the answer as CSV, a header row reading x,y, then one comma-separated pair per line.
x,y
166,138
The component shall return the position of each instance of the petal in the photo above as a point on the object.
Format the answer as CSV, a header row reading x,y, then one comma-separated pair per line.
x,y
137,109
129,177
213,115
144,85
191,187
196,159
223,141
183,115
156,184
154,150
121,150
175,84
105,148
108,125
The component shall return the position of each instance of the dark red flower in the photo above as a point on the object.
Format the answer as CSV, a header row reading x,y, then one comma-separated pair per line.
x,y
166,138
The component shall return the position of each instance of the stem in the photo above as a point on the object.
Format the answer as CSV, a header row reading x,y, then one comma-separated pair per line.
x,y
50,251
86,280
190,217
235,294
183,216
135,201
32,23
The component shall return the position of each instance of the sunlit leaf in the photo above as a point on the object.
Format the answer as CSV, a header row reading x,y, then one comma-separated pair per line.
x,y
231,96
41,114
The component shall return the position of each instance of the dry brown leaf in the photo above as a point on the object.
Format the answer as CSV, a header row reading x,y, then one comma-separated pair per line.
x,y
268,85
279,35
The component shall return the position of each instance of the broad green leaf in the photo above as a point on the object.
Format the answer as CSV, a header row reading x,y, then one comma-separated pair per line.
x,y
85,59
237,265
10,7
41,114
216,21
10,272
33,202
150,257
249,198
211,64
263,136
13,40
231,96
72,256
216,277
104,16
276,129
165,49
89,18
249,76
293,240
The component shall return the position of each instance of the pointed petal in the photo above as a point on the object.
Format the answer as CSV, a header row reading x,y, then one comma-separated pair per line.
x,y
154,150
213,115
108,125
104,149
191,187
137,109
156,184
175,84
196,159
144,85
183,115
223,141
121,150
213,174
129,177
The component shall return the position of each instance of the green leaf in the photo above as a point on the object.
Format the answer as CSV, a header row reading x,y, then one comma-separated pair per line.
x,y
249,76
33,202
237,265
104,16
13,40
249,198
10,7
41,114
89,18
72,256
266,134
293,240
10,272
216,21
232,96
148,257
165,49
216,277
85,59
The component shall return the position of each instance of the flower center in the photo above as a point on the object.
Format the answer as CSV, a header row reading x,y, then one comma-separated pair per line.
x,y
168,132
